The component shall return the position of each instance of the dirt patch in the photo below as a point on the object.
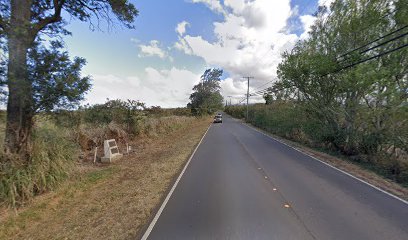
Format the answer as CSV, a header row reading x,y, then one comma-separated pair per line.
x,y
108,202
347,166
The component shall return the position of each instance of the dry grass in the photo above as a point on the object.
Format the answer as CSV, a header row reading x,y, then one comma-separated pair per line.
x,y
110,202
356,170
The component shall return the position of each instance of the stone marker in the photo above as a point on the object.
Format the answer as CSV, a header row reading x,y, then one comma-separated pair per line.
x,y
111,151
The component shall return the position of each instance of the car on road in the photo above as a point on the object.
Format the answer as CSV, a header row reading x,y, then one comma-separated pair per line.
x,y
218,118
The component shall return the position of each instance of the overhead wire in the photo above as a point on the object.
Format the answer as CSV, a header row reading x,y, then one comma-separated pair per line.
x,y
378,45
265,90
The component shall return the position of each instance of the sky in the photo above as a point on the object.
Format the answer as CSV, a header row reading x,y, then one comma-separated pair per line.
x,y
174,41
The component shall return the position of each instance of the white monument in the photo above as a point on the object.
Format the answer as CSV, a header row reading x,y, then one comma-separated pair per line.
x,y
111,151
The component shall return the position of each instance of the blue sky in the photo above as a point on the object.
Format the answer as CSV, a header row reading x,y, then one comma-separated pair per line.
x,y
158,64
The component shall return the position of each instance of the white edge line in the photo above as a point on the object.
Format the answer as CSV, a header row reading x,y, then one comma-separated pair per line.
x,y
156,217
329,165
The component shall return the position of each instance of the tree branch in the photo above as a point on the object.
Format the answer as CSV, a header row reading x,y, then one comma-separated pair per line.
x,y
56,17
4,25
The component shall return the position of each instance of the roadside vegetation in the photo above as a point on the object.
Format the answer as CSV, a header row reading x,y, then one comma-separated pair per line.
x,y
37,78
98,200
64,140
338,93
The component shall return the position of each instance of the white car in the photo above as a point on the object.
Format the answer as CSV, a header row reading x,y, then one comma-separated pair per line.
x,y
218,118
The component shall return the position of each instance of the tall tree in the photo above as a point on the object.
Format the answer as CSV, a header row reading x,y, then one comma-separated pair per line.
x,y
359,102
22,23
206,97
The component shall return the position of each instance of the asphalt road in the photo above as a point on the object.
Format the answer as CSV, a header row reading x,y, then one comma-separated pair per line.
x,y
239,181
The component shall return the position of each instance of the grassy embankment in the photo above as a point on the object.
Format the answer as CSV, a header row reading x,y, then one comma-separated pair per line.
x,y
77,199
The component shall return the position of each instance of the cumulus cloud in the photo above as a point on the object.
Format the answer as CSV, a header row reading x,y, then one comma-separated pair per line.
x,y
181,28
307,21
249,41
167,88
214,5
152,49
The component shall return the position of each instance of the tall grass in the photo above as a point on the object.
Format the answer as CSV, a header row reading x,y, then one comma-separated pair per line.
x,y
60,137
52,157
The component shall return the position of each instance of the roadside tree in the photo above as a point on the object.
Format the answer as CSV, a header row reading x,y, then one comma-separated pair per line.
x,y
39,76
206,97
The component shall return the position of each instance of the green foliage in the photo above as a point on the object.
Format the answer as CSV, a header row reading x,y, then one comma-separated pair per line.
x,y
129,113
281,118
157,111
56,80
358,109
41,78
206,97
51,161
268,98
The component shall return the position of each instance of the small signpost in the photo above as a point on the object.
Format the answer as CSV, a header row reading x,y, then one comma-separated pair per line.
x,y
111,151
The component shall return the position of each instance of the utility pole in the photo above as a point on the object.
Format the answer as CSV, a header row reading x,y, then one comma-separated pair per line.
x,y
247,112
229,100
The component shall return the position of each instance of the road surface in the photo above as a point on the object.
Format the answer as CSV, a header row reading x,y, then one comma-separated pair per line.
x,y
241,184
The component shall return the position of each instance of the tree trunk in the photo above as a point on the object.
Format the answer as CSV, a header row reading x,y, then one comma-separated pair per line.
x,y
20,104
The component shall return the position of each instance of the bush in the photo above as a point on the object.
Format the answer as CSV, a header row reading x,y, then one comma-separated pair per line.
x,y
51,161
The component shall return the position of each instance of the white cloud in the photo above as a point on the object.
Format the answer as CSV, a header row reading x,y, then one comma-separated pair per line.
x,y
153,49
214,5
326,3
249,41
181,28
167,88
307,21
183,46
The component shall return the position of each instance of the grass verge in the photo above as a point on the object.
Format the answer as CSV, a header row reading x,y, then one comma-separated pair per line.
x,y
114,201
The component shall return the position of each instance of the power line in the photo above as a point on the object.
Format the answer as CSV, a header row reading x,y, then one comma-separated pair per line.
x,y
263,91
266,90
383,43
262,85
375,56
368,44
367,27
370,58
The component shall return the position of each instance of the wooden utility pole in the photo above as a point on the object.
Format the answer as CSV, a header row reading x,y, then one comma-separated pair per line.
x,y
247,112
229,99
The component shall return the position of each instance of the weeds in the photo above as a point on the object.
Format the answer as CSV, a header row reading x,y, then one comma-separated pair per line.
x,y
60,137
51,161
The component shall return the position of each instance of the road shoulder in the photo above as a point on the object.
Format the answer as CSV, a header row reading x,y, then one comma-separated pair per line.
x,y
116,201
347,166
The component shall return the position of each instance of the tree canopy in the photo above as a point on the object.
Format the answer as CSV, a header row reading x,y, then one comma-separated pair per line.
x,y
351,74
206,96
